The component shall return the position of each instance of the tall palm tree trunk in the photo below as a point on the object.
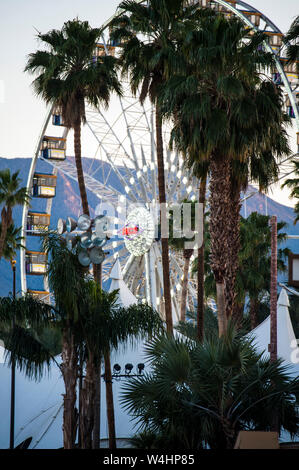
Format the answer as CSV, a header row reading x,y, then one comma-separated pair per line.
x,y
87,405
97,410
80,174
200,267
219,198
109,401
2,237
187,255
97,270
69,370
273,290
253,312
233,249
6,221
164,241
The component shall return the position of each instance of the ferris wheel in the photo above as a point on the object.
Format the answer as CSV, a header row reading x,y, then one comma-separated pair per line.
x,y
123,175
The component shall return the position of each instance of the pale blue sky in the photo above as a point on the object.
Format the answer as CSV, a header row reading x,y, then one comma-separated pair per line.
x,y
21,113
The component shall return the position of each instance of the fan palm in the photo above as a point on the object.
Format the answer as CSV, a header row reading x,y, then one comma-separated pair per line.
x,y
148,38
66,281
291,40
214,102
13,242
68,77
105,325
11,195
255,259
26,342
268,144
203,393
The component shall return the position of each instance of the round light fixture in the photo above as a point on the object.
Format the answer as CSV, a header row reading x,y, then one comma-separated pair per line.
x,y
71,224
98,241
86,241
96,255
70,241
101,224
84,222
61,226
83,257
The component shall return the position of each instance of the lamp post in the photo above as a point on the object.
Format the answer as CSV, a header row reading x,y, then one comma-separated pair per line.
x,y
13,370
273,309
273,291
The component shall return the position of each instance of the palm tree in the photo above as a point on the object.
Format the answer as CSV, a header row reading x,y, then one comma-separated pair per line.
x,y
13,242
201,394
255,260
291,41
268,143
148,39
30,343
68,77
11,195
66,281
215,118
105,325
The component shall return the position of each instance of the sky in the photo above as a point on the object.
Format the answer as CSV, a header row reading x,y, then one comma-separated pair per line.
x,y
21,112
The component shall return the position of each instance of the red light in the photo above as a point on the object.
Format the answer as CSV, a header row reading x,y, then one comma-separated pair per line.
x,y
130,231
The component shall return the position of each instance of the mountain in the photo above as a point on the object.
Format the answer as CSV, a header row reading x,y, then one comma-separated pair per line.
x,y
67,203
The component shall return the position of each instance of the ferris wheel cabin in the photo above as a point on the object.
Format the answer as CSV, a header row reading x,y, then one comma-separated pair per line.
x,y
275,40
100,51
253,16
291,70
37,223
35,262
44,185
57,117
289,107
40,294
53,148
222,9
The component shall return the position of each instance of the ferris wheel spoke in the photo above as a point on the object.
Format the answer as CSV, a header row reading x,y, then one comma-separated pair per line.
x,y
136,273
138,180
102,192
128,265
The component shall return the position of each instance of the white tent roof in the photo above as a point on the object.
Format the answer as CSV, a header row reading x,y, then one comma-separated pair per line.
x,y
125,296
287,347
38,408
